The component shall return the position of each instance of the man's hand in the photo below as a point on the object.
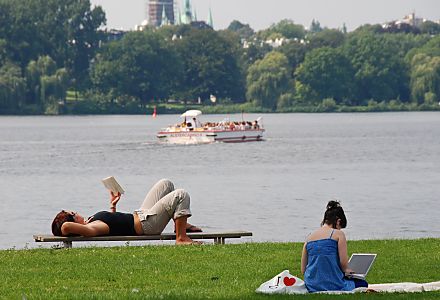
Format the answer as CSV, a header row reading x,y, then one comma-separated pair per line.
x,y
114,199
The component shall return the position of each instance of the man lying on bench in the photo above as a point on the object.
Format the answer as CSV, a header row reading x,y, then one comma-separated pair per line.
x,y
161,204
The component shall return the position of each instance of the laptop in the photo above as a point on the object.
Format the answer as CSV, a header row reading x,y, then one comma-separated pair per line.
x,y
361,264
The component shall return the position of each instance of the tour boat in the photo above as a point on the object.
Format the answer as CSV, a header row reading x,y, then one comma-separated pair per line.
x,y
192,131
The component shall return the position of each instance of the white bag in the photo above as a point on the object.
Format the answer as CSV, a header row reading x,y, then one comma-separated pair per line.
x,y
283,283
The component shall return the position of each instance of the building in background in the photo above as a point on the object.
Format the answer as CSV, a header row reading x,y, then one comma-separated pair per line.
x,y
168,12
160,12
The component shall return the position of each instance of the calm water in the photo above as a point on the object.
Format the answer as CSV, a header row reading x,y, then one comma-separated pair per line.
x,y
384,168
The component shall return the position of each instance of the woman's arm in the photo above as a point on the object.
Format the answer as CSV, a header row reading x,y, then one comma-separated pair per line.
x,y
95,228
114,199
304,259
342,250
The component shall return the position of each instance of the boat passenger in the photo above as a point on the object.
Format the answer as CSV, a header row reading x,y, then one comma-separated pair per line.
x,y
196,123
161,204
255,125
324,260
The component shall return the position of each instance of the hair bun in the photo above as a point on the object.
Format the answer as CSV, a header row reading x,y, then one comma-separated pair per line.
x,y
333,204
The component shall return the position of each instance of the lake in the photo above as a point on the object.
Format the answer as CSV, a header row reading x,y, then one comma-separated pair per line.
x,y
383,167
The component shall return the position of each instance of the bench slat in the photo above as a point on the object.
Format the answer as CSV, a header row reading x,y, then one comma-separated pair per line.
x,y
158,237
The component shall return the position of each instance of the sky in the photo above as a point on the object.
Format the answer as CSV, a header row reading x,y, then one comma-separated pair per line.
x,y
260,14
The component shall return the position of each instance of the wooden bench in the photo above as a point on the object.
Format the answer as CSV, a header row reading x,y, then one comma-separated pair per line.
x,y
218,237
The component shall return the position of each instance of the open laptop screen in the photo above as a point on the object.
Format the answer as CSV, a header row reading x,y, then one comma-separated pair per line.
x,y
361,263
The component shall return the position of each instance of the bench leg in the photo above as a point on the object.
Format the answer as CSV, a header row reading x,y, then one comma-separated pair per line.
x,y
219,240
67,244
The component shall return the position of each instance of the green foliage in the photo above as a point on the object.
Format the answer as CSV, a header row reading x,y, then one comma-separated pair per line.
x,y
285,101
328,105
142,65
328,73
326,38
295,53
211,67
430,27
52,42
268,79
285,28
425,78
64,30
47,85
244,31
315,26
12,88
46,47
379,73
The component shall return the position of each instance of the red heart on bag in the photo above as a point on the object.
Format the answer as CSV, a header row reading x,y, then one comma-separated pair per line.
x,y
289,281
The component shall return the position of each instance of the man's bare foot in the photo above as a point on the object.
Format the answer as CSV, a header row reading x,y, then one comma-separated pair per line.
x,y
187,241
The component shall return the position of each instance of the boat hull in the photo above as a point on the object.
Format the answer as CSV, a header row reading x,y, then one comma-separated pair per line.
x,y
210,136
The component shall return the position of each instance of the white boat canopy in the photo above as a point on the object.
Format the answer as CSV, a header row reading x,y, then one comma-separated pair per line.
x,y
191,113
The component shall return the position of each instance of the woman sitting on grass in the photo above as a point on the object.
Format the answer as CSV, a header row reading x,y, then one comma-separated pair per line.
x,y
324,260
161,204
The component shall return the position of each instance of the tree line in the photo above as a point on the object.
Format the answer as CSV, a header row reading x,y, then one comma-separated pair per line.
x,y
50,49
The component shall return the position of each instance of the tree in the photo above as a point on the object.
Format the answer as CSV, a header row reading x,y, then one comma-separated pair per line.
x,y
380,73
210,61
329,73
82,37
286,28
326,38
46,85
315,26
425,78
67,31
268,79
243,30
431,47
12,88
430,27
142,65
295,53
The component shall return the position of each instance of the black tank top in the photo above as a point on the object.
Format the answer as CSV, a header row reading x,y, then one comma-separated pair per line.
x,y
119,223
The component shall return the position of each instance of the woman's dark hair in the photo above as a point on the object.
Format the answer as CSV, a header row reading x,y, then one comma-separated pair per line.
x,y
333,213
59,220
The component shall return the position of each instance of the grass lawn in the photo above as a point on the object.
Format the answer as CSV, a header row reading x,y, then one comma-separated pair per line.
x,y
197,272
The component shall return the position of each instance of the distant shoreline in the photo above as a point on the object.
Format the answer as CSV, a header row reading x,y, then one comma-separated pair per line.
x,y
81,109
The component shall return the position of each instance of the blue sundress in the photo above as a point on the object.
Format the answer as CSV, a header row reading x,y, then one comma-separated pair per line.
x,y
323,272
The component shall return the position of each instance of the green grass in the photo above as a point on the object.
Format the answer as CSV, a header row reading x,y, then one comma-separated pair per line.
x,y
197,272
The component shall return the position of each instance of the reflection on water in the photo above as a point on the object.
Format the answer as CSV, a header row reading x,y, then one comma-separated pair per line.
x,y
383,167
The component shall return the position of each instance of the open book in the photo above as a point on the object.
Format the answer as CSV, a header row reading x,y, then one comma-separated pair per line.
x,y
112,185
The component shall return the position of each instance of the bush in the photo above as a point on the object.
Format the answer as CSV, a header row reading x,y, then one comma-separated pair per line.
x,y
328,105
285,101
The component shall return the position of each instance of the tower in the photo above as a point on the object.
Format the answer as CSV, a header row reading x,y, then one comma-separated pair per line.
x,y
159,8
164,20
210,21
187,13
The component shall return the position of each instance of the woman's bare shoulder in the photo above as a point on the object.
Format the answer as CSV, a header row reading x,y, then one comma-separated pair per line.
x,y
338,234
